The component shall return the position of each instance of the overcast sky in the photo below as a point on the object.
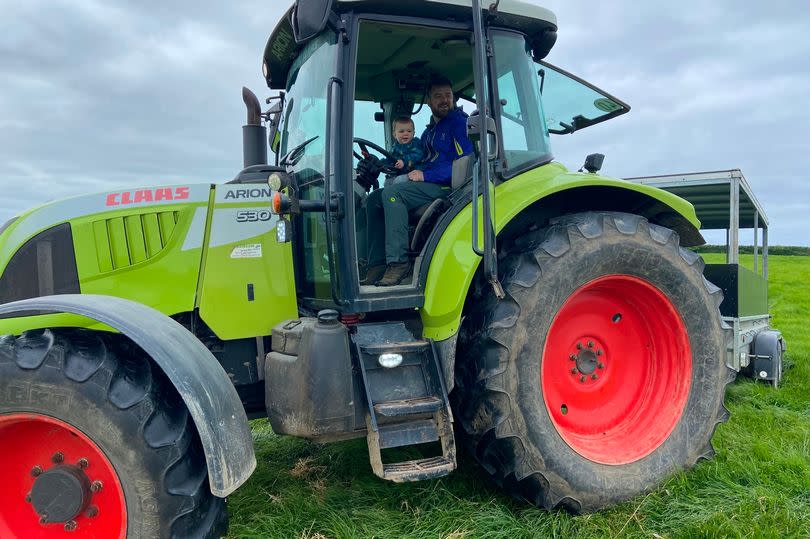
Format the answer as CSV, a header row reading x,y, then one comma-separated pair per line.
x,y
97,95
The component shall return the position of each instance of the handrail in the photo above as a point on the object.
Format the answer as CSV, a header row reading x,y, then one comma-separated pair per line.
x,y
475,189
327,188
483,179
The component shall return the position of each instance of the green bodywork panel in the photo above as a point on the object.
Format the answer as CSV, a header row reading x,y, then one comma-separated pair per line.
x,y
165,255
134,252
246,269
216,251
454,263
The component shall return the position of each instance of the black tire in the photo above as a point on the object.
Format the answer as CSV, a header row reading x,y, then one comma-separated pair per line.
x,y
499,399
110,391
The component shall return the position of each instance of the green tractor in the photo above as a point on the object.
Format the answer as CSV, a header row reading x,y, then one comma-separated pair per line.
x,y
553,321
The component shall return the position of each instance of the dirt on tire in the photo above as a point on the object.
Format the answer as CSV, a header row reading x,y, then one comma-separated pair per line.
x,y
499,399
107,388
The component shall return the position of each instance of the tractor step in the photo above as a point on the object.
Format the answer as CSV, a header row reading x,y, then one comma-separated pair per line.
x,y
418,470
402,407
397,347
410,433
407,400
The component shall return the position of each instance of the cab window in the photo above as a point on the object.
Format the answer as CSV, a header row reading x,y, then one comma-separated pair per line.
x,y
524,136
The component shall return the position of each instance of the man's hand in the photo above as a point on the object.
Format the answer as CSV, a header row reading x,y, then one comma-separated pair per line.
x,y
416,176
367,171
400,164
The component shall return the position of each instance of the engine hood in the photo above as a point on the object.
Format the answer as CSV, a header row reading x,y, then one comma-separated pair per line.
x,y
56,212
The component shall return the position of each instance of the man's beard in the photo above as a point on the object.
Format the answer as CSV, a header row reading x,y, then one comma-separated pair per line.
x,y
440,113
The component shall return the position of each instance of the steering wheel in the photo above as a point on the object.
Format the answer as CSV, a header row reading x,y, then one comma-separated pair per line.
x,y
364,153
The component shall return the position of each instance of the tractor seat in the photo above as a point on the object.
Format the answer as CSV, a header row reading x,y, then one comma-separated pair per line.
x,y
424,218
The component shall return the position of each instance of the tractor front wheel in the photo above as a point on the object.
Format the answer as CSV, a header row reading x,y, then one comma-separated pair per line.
x,y
95,442
602,371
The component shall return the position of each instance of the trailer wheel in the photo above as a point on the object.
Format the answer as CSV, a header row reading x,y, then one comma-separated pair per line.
x,y
602,370
96,442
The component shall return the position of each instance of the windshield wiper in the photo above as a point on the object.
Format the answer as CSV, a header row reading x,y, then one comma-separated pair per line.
x,y
292,157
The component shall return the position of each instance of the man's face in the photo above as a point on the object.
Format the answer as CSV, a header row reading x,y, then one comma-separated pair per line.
x,y
440,101
403,132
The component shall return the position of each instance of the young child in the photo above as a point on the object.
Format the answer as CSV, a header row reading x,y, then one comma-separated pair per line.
x,y
408,149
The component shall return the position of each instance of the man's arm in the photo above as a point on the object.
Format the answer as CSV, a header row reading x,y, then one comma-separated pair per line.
x,y
460,136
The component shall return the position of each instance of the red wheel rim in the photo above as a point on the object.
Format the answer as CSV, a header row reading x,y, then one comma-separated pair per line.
x,y
616,369
31,445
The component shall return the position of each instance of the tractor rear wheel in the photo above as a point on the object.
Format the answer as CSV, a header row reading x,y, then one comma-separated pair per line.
x,y
601,372
95,442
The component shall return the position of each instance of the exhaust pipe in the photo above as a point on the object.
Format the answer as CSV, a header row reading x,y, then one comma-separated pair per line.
x,y
254,134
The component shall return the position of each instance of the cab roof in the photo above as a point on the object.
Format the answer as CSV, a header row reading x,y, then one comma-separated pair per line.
x,y
519,15
418,8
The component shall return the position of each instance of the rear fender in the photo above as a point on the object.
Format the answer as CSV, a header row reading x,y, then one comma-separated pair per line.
x,y
535,197
207,391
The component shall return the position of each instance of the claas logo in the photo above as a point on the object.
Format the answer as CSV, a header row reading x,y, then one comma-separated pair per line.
x,y
147,195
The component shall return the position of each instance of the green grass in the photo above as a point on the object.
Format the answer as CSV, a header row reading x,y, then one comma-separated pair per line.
x,y
758,485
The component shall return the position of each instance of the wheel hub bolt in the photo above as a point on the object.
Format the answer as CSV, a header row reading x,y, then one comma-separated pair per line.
x,y
599,366
582,378
572,357
590,344
599,352
58,458
594,376
28,498
92,511
36,471
96,486
43,519
70,525
82,463
574,370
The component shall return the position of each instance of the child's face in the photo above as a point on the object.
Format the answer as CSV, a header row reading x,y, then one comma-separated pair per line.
x,y
403,132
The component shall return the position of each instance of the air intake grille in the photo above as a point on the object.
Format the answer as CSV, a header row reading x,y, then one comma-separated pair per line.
x,y
124,241
44,265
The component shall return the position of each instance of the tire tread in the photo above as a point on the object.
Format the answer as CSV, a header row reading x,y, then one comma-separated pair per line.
x,y
485,408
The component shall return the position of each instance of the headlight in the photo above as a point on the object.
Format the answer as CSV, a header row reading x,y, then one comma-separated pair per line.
x,y
274,181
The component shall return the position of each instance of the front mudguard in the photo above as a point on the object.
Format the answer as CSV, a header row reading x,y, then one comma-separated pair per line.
x,y
207,391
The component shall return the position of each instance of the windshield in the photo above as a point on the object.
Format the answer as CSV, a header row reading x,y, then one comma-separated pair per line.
x,y
303,136
305,110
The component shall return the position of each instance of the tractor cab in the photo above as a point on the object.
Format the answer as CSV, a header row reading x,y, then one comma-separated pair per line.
x,y
348,69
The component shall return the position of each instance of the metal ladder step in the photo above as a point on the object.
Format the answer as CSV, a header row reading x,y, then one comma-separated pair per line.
x,y
402,407
406,347
418,470
407,403
411,433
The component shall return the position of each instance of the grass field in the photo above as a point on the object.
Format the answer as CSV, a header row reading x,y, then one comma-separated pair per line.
x,y
758,485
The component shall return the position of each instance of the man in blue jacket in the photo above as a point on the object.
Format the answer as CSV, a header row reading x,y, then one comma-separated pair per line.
x,y
445,140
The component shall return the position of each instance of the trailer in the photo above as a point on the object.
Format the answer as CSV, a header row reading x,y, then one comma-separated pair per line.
x,y
723,200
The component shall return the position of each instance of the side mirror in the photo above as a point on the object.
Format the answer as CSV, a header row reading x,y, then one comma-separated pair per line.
x,y
474,132
309,17
273,116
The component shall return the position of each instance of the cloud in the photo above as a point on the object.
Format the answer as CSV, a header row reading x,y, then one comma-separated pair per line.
x,y
713,86
98,95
